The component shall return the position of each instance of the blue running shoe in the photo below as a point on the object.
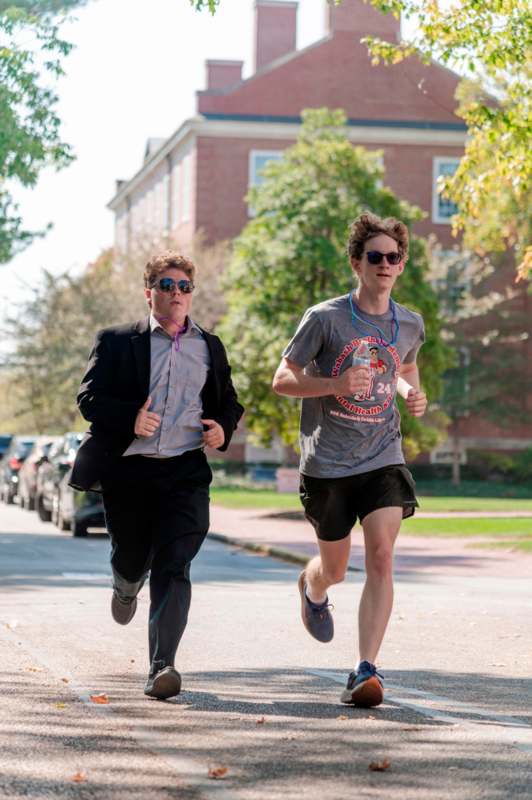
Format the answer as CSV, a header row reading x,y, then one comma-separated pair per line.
x,y
364,687
317,619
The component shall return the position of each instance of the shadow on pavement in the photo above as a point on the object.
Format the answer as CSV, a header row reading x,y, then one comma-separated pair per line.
x,y
282,734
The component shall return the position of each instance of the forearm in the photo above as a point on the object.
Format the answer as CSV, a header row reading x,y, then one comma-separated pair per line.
x,y
298,384
411,377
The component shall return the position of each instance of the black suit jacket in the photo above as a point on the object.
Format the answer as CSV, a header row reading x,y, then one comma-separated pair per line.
x,y
117,383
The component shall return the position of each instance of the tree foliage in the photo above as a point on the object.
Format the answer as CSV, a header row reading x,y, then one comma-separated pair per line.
x,y
200,5
491,41
31,52
291,255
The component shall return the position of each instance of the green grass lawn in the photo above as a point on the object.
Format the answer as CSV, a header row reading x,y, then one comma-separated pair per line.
x,y
496,528
270,499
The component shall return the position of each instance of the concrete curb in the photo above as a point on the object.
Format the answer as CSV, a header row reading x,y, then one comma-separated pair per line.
x,y
291,556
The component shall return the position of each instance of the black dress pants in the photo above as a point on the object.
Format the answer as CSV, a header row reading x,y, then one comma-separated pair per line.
x,y
157,515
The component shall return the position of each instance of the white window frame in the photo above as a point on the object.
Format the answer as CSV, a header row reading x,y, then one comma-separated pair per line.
x,y
165,203
252,168
437,161
186,187
176,195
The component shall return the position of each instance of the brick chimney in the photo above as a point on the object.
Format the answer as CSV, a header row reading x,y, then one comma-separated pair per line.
x,y
358,17
275,30
221,74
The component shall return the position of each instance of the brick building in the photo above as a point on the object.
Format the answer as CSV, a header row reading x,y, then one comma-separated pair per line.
x,y
407,111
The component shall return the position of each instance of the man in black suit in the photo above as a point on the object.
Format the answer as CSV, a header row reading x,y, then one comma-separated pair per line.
x,y
156,393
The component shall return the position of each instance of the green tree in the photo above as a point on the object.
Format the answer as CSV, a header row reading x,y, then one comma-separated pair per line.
x,y
291,255
491,42
485,328
31,52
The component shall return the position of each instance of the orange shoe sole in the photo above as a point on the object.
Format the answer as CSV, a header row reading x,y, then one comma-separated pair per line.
x,y
367,695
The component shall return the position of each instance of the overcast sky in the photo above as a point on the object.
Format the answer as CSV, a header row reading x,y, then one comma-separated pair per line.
x,y
133,74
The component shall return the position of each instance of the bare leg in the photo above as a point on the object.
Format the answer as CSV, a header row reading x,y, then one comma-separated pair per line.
x,y
327,568
380,532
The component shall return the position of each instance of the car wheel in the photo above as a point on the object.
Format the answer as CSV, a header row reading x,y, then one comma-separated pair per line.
x,y
62,523
79,528
43,512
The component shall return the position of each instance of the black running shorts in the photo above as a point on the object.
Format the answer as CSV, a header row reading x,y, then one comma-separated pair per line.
x,y
333,505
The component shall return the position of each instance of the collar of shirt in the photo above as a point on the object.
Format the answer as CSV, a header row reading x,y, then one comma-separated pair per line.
x,y
192,328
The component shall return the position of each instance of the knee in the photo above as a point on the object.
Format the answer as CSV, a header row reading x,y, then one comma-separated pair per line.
x,y
333,575
379,562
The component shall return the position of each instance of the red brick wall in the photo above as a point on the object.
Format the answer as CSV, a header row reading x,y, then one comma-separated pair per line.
x,y
337,72
222,175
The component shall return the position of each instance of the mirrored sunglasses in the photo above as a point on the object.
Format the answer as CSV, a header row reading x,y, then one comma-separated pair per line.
x,y
169,285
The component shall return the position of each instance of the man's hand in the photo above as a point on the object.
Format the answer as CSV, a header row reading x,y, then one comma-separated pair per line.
x,y
214,436
353,380
416,402
146,422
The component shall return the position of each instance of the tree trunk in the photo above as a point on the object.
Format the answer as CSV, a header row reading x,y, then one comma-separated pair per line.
x,y
456,477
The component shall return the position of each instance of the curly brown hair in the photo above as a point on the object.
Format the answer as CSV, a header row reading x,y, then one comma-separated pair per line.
x,y
368,225
166,260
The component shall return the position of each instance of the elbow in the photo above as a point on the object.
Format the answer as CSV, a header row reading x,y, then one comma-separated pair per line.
x,y
277,384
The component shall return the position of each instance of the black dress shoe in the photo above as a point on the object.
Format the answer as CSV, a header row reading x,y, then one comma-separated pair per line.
x,y
164,684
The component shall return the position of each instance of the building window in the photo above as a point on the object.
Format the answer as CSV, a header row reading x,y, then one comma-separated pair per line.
x,y
186,188
165,204
176,195
257,161
442,208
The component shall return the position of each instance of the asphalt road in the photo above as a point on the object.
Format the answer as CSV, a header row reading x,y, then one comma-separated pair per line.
x,y
261,699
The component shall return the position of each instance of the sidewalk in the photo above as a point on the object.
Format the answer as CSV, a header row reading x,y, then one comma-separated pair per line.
x,y
294,540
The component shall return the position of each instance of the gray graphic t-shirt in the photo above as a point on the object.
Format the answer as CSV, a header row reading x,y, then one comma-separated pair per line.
x,y
342,436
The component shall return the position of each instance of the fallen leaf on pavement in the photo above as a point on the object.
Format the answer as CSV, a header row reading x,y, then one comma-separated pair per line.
x,y
79,777
132,660
217,772
65,680
261,721
379,766
99,699
342,716
12,625
34,669
411,728
60,705
371,716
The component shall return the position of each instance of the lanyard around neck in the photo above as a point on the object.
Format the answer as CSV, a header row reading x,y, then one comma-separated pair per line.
x,y
394,323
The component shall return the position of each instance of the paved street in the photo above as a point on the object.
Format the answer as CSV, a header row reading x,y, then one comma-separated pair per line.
x,y
260,700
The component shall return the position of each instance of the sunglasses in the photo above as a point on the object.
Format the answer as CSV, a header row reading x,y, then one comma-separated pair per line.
x,y
375,257
169,284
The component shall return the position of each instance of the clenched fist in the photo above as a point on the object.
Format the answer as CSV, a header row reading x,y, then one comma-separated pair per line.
x,y
353,380
416,402
146,422
214,436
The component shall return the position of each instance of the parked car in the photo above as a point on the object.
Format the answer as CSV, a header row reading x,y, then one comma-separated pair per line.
x,y
57,501
27,477
59,460
10,466
77,511
5,441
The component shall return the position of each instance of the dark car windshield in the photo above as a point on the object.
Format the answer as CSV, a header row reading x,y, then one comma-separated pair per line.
x,y
23,447
5,441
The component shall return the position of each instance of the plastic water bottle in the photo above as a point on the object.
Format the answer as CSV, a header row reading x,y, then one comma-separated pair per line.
x,y
362,356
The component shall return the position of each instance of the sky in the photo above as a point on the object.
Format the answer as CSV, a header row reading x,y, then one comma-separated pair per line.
x,y
133,74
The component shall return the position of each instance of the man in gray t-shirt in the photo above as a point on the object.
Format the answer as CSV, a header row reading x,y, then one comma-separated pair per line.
x,y
347,360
